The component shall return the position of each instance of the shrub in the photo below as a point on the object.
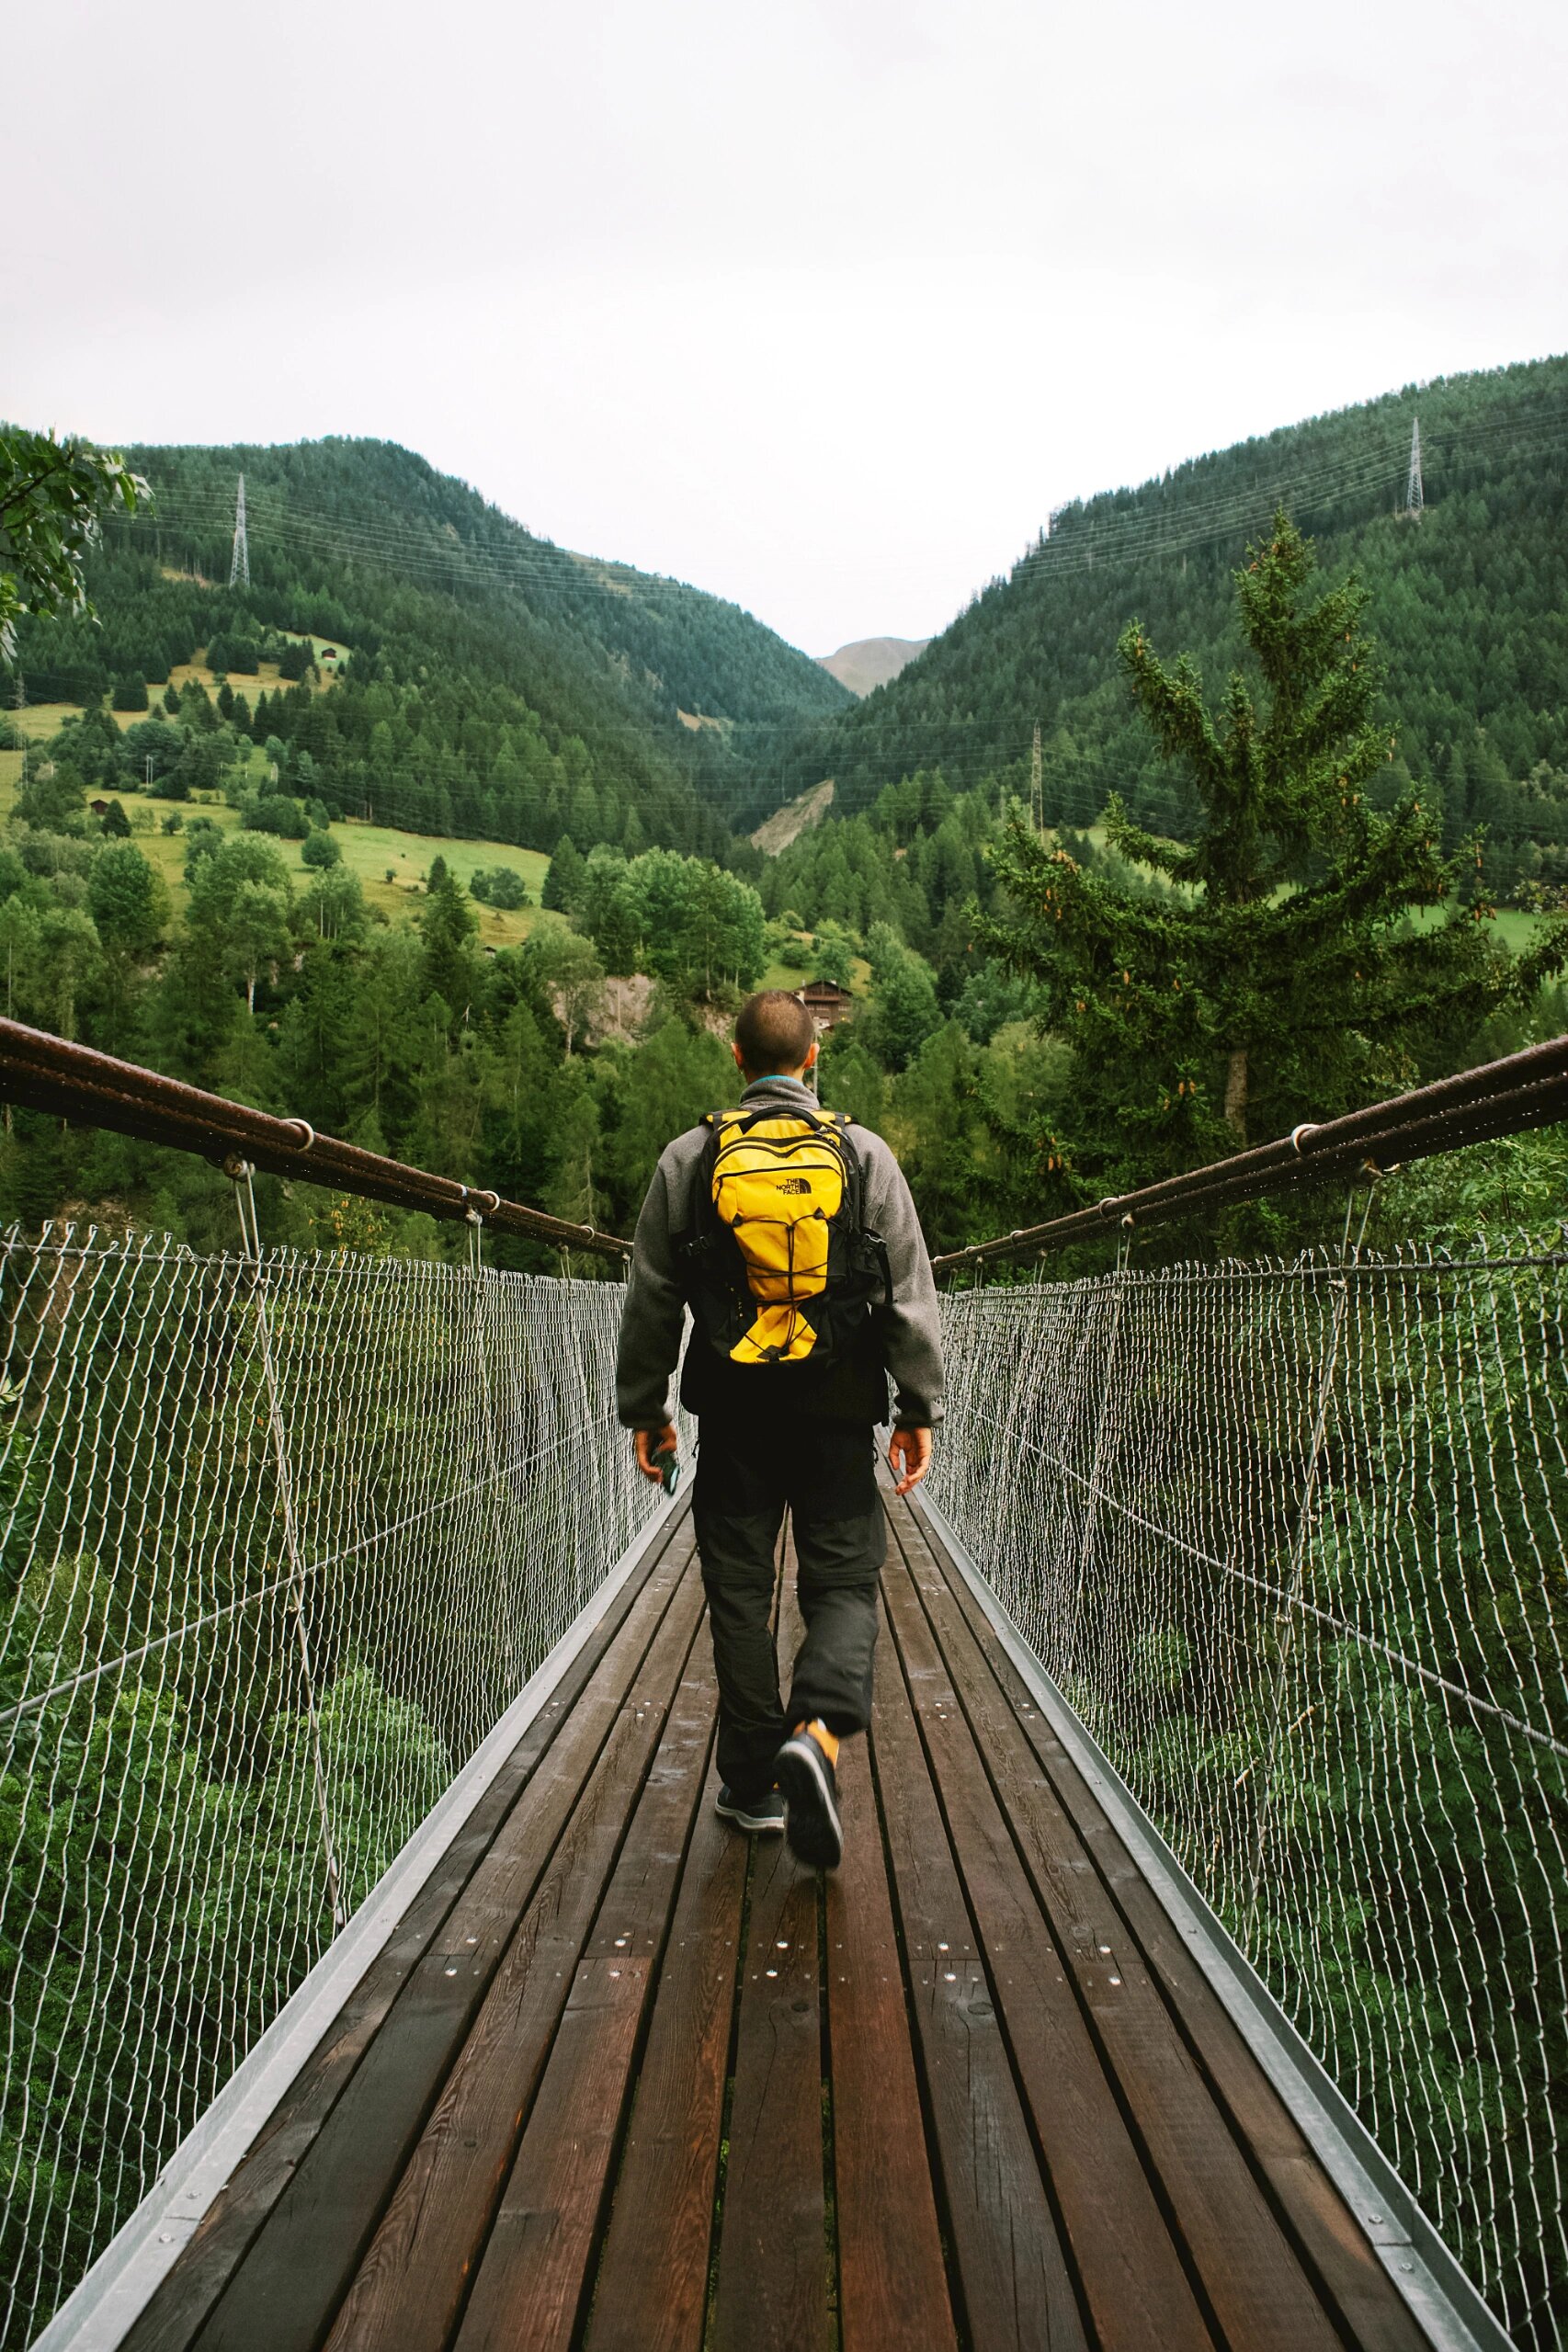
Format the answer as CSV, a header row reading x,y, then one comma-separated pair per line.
x,y
202,839
276,813
319,850
499,886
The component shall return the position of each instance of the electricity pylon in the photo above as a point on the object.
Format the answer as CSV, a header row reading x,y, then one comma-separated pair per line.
x,y
239,562
1036,788
1414,495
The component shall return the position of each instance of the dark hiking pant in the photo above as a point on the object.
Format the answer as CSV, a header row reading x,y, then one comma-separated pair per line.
x,y
825,1472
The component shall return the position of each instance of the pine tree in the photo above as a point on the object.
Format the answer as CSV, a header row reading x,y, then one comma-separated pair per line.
x,y
565,881
1274,977
447,927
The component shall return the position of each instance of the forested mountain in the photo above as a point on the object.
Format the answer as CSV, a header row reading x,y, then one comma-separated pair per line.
x,y
495,684
1467,604
403,652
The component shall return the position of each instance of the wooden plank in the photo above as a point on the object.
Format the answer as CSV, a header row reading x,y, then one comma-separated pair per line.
x,y
772,2239
1011,2271
651,2294
771,2293
1129,2272
652,2291
283,2296
184,2297
1249,2273
891,2281
533,2275
772,2286
1337,2253
893,2286
410,2289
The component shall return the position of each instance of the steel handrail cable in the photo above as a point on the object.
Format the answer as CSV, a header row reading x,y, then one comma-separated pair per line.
x,y
49,1072
1507,1097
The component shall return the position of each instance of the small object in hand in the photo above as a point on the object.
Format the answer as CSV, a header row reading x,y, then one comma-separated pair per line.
x,y
668,1468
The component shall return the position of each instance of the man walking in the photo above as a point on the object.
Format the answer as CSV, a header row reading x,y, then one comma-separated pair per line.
x,y
791,1236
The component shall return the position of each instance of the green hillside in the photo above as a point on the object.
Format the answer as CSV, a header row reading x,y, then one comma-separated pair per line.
x,y
410,678
490,682
1468,603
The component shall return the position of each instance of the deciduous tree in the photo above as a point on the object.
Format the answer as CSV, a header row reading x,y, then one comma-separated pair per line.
x,y
54,496
127,898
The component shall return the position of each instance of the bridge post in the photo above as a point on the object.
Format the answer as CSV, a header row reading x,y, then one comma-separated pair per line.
x,y
1340,1285
507,1630
239,1173
1096,1462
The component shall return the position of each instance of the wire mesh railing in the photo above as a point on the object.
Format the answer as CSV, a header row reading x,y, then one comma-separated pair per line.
x,y
283,1535
1289,1538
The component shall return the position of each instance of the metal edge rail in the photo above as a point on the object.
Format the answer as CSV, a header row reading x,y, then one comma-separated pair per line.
x,y
1523,1090
92,1089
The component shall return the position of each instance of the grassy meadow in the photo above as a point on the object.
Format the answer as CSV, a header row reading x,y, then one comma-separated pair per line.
x,y
390,866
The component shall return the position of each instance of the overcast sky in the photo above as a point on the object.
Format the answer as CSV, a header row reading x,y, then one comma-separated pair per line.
x,y
822,304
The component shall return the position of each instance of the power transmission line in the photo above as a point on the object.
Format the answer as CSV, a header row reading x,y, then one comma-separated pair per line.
x,y
1120,535
239,560
1087,539
1079,543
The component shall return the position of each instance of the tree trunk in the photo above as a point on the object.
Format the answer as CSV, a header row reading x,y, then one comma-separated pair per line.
x,y
1237,1094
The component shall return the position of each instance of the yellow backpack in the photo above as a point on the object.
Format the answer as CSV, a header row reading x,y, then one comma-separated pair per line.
x,y
780,1266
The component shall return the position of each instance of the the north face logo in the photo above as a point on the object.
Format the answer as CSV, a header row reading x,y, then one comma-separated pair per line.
x,y
793,1184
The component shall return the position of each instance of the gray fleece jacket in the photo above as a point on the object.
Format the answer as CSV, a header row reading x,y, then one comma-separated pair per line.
x,y
654,1311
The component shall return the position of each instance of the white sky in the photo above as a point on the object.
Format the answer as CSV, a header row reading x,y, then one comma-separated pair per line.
x,y
822,304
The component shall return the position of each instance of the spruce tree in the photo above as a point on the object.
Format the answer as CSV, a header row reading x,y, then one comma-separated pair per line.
x,y
448,926
1274,975
567,878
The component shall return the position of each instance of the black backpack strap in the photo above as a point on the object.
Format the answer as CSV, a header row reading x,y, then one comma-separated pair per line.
x,y
862,1235
757,1113
703,1222
855,1166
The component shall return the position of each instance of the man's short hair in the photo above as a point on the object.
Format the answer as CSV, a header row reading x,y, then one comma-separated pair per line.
x,y
774,1032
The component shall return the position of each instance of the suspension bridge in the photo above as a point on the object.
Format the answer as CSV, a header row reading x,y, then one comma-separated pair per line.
x,y
378,1972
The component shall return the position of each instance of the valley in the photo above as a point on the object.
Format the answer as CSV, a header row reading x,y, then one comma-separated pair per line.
x,y
412,695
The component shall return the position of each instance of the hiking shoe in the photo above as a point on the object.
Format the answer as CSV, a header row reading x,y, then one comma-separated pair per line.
x,y
763,1815
811,1785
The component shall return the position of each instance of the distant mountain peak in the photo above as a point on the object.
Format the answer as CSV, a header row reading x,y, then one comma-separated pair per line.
x,y
871,661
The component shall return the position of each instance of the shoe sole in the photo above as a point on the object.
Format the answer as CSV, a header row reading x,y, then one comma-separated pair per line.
x,y
815,1832
759,1825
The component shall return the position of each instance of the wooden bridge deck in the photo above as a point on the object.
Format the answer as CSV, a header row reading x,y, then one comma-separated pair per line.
x,y
626,2079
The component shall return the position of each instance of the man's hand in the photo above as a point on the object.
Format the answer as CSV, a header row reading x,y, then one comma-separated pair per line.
x,y
655,1441
910,1454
